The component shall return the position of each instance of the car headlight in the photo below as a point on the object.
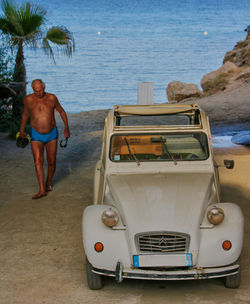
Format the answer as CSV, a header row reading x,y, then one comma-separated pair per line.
x,y
215,215
110,217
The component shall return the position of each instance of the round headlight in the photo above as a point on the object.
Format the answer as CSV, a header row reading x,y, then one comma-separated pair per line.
x,y
110,217
215,215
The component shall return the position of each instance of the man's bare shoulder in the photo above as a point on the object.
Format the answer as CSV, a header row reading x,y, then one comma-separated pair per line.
x,y
29,98
51,96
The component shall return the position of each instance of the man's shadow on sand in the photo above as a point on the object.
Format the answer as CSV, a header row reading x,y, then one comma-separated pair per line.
x,y
82,151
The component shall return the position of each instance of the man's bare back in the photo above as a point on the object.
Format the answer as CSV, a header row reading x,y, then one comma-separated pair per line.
x,y
40,107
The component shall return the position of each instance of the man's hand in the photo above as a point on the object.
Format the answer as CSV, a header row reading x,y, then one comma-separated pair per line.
x,y
22,134
66,133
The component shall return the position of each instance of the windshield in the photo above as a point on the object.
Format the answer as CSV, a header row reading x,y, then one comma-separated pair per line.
x,y
159,147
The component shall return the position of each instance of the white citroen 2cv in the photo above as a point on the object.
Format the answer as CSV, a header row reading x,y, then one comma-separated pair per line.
x,y
157,213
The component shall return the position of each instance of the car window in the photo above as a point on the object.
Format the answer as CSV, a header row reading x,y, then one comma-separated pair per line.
x,y
140,120
159,147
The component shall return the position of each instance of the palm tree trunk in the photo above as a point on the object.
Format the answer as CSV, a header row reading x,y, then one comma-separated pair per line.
x,y
20,71
19,76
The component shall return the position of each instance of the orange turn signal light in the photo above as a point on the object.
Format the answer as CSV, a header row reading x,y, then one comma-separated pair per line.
x,y
227,245
99,247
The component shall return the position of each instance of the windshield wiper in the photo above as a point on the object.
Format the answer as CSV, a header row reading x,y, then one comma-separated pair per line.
x,y
131,153
166,151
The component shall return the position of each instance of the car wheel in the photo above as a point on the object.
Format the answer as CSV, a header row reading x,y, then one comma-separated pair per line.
x,y
95,281
232,281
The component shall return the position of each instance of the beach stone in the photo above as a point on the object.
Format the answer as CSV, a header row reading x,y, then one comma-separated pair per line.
x,y
243,138
240,55
207,79
177,91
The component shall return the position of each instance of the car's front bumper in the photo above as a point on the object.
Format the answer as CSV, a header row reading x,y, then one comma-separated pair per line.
x,y
167,274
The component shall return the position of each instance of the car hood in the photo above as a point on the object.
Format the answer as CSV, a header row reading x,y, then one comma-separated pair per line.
x,y
173,202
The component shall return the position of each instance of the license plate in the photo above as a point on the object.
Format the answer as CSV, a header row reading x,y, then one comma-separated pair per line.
x,y
160,260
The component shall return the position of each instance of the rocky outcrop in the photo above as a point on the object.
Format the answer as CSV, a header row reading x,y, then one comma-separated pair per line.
x,y
177,91
217,80
235,67
240,55
226,91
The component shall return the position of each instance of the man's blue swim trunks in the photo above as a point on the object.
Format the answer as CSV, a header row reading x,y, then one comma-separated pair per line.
x,y
44,138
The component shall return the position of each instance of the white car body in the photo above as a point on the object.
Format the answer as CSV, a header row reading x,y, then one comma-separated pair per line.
x,y
161,179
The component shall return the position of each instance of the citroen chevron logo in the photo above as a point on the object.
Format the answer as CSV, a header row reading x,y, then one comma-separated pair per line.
x,y
162,242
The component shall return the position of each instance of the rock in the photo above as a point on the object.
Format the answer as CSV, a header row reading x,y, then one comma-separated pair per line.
x,y
240,55
217,80
244,75
177,91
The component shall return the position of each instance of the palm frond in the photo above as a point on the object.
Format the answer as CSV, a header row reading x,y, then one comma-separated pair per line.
x,y
48,49
10,16
4,25
22,25
21,22
62,38
31,18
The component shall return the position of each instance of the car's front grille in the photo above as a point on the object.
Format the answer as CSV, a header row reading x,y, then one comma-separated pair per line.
x,y
163,242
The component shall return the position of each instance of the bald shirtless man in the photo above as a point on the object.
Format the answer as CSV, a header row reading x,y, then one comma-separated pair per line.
x,y
41,106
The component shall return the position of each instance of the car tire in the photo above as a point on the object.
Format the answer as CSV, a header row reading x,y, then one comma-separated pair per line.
x,y
232,281
95,281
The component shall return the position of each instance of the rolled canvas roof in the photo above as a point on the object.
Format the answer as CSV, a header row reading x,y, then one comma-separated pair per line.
x,y
154,109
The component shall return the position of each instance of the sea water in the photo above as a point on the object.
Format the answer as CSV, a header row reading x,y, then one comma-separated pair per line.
x,y
122,43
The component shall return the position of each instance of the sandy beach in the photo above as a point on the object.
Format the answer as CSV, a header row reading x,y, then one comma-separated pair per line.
x,y
42,256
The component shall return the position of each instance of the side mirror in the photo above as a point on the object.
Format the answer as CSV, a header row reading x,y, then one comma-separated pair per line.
x,y
229,163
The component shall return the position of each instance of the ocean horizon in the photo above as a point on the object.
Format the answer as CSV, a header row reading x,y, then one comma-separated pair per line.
x,y
122,43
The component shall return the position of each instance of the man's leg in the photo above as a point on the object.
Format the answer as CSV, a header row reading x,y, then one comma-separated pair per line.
x,y
38,155
51,149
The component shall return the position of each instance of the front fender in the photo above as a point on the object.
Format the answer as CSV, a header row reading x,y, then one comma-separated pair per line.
x,y
114,240
211,253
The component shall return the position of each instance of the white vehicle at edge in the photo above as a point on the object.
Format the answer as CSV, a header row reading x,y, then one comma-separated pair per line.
x,y
157,213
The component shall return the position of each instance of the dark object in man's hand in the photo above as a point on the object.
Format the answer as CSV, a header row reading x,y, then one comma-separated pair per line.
x,y
64,145
22,142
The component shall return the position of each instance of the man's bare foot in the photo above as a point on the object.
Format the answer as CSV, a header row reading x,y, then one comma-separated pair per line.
x,y
48,188
39,195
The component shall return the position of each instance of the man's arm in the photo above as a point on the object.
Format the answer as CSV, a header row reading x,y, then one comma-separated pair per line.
x,y
25,116
64,117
